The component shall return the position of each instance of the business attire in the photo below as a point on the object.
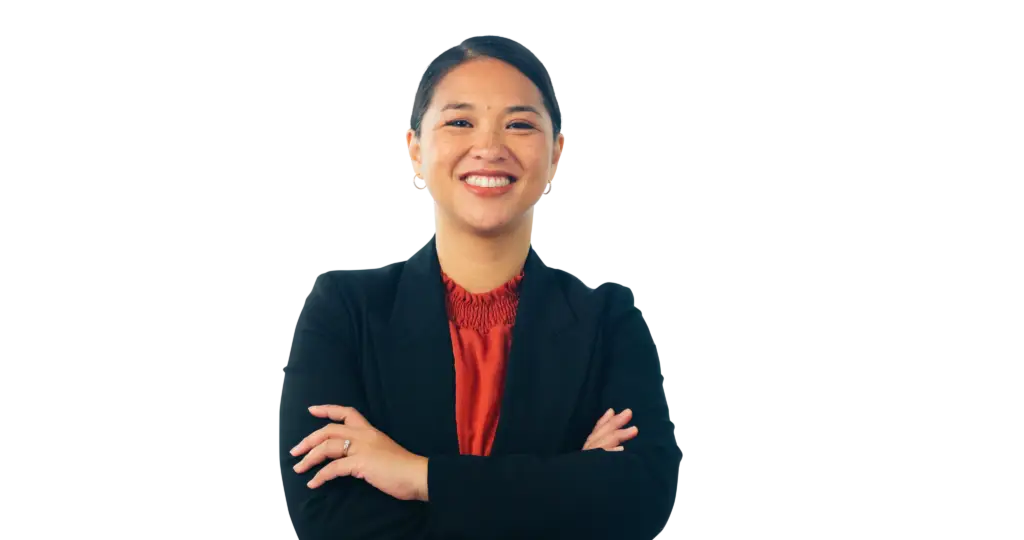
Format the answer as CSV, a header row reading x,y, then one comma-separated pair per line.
x,y
498,390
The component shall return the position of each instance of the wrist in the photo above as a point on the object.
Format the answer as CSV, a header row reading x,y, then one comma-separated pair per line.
x,y
422,473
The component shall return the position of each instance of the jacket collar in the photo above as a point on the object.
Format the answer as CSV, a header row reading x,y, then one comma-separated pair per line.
x,y
546,364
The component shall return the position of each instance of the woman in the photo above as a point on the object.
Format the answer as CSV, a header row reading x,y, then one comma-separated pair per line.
x,y
471,391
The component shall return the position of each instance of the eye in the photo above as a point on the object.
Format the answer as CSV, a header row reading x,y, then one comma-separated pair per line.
x,y
465,123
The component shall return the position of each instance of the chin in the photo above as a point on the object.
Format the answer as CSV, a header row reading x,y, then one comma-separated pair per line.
x,y
488,227
491,229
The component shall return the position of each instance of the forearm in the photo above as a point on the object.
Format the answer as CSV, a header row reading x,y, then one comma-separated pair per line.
x,y
593,494
319,372
348,508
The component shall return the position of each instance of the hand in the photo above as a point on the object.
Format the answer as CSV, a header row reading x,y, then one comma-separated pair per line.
x,y
607,433
371,455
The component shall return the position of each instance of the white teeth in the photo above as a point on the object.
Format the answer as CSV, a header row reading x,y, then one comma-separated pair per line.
x,y
488,181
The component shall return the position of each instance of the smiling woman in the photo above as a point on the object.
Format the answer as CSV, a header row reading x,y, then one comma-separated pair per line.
x,y
472,391
483,143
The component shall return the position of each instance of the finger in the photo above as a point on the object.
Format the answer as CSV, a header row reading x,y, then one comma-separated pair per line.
x,y
321,435
335,469
329,431
603,444
623,435
600,422
616,449
331,448
604,418
611,425
615,438
349,415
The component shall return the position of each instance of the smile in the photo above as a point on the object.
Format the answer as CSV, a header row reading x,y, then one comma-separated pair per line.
x,y
488,181
488,185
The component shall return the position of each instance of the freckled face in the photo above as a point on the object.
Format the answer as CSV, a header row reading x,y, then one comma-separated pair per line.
x,y
485,116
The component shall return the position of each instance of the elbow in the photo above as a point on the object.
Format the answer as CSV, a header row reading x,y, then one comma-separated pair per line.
x,y
655,504
636,496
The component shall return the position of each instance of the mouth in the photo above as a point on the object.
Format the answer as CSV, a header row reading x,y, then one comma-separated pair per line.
x,y
488,179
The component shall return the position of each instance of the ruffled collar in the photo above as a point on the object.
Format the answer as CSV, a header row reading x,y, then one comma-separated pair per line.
x,y
482,311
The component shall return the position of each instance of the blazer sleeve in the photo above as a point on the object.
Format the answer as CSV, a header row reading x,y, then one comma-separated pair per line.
x,y
321,370
583,494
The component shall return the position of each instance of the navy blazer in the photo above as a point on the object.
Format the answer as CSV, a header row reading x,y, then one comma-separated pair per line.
x,y
378,340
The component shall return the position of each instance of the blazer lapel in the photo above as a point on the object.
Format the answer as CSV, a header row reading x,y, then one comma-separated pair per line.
x,y
547,365
417,364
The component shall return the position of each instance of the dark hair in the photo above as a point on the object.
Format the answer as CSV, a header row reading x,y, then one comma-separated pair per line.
x,y
496,47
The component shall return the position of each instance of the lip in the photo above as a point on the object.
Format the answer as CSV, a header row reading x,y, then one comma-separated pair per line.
x,y
488,191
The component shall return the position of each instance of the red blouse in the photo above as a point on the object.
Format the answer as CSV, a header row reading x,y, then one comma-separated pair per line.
x,y
481,330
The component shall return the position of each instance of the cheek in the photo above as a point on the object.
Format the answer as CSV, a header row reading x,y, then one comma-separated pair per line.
x,y
443,154
537,158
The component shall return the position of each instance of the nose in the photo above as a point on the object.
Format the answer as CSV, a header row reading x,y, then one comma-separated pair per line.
x,y
489,144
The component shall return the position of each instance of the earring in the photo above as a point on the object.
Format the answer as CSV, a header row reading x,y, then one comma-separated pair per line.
x,y
549,188
417,175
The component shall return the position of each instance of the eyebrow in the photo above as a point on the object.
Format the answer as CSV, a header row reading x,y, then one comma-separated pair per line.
x,y
512,109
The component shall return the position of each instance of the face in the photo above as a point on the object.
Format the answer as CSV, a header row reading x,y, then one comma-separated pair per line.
x,y
487,120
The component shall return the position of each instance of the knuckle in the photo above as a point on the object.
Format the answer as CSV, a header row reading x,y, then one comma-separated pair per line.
x,y
326,448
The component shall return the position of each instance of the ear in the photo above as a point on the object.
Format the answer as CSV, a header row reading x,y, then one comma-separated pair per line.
x,y
556,154
414,151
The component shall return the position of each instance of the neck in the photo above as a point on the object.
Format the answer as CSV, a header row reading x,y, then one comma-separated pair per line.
x,y
482,263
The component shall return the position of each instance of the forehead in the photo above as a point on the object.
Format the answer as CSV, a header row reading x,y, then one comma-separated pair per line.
x,y
488,84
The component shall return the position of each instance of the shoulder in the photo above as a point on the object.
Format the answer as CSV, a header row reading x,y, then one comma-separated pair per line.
x,y
353,283
352,290
608,301
611,312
